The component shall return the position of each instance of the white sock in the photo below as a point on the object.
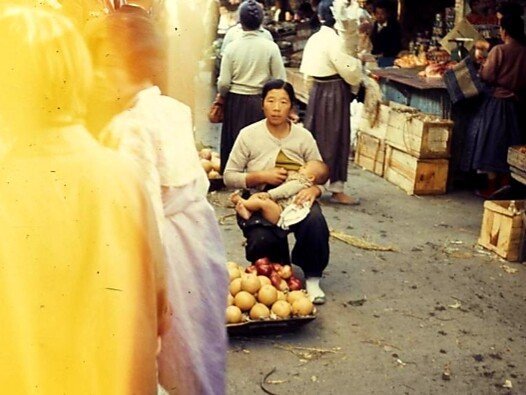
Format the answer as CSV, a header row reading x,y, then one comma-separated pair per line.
x,y
313,287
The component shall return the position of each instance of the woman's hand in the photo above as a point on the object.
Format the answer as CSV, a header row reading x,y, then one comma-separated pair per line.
x,y
275,176
307,195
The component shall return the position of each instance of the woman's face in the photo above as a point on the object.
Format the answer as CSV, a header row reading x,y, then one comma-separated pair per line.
x,y
276,106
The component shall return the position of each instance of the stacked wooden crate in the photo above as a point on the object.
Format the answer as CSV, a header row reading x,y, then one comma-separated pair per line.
x,y
502,228
370,142
417,150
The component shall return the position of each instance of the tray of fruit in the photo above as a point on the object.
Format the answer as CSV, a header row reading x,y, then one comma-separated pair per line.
x,y
266,298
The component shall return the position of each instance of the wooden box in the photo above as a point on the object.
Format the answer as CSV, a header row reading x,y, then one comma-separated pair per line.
x,y
370,153
517,162
503,228
414,175
379,128
421,135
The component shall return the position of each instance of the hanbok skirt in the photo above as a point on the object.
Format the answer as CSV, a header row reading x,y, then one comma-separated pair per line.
x,y
328,119
493,130
193,351
239,111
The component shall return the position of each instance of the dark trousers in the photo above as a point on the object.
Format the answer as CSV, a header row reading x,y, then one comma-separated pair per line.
x,y
311,251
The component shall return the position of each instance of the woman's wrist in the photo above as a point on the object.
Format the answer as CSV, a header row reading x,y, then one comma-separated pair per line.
x,y
254,179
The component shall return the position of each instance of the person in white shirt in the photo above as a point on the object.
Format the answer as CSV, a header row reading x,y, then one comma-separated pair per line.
x,y
237,31
247,64
328,112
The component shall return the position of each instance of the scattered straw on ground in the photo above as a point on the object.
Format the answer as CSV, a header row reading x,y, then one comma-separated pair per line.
x,y
360,243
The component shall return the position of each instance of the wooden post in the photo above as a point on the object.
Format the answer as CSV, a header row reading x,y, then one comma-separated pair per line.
x,y
460,10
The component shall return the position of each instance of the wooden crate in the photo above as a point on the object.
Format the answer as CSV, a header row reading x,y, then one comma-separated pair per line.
x,y
379,129
502,229
421,135
414,175
370,153
517,157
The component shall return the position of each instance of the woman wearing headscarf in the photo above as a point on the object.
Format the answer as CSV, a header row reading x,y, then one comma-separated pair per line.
x,y
81,279
328,112
498,124
247,64
156,131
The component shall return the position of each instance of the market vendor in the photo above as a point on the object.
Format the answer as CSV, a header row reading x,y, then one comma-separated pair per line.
x,y
259,159
498,124
386,35
248,62
328,111
482,13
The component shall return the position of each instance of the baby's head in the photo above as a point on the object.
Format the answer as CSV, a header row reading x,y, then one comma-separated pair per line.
x,y
316,171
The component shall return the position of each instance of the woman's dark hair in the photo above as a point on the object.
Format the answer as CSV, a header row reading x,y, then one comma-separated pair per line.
x,y
250,15
513,25
278,84
386,5
510,8
325,13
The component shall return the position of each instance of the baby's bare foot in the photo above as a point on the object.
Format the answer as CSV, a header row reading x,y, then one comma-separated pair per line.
x,y
235,197
242,210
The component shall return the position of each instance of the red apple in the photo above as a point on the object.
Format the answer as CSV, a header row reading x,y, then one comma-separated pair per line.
x,y
262,261
294,283
264,270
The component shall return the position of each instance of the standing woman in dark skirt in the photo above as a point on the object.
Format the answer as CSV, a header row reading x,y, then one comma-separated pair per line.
x,y
247,64
328,110
498,124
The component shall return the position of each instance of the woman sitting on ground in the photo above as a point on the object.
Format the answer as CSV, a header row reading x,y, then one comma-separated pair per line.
x,y
260,158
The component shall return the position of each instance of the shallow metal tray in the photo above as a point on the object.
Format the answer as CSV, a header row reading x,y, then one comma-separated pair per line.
x,y
268,326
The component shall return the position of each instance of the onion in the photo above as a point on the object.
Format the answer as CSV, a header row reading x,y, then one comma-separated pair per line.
x,y
235,286
302,307
251,269
244,300
216,163
264,280
207,165
262,261
285,272
233,315
282,309
295,283
233,273
275,279
229,300
264,270
205,153
283,286
277,267
250,283
295,295
267,295
282,296
259,311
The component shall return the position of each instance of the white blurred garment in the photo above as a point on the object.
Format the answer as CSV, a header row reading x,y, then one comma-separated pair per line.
x,y
157,133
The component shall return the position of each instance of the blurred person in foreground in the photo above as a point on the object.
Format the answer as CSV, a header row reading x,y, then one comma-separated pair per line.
x,y
156,132
81,279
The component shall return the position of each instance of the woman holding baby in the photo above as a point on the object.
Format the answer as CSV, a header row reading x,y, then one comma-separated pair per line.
x,y
262,157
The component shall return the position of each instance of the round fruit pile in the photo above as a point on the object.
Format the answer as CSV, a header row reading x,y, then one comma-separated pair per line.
x,y
210,162
265,291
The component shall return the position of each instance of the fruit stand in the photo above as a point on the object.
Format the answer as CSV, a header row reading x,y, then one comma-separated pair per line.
x,y
265,297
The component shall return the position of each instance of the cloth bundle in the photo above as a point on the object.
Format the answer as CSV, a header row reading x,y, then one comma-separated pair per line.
x,y
463,81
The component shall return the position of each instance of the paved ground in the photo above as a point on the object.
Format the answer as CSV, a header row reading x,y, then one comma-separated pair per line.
x,y
437,304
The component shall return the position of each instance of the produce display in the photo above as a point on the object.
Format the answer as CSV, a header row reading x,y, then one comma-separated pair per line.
x,y
210,162
436,70
265,291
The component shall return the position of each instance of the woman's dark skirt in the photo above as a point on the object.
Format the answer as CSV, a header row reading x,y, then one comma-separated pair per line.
x,y
239,111
493,130
328,119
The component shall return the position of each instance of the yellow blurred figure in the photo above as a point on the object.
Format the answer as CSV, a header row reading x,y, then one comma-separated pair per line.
x,y
82,291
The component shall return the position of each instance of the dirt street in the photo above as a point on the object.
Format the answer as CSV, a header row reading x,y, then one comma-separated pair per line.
x,y
438,316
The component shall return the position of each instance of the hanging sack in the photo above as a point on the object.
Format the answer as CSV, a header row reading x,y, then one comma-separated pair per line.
x,y
216,113
462,81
